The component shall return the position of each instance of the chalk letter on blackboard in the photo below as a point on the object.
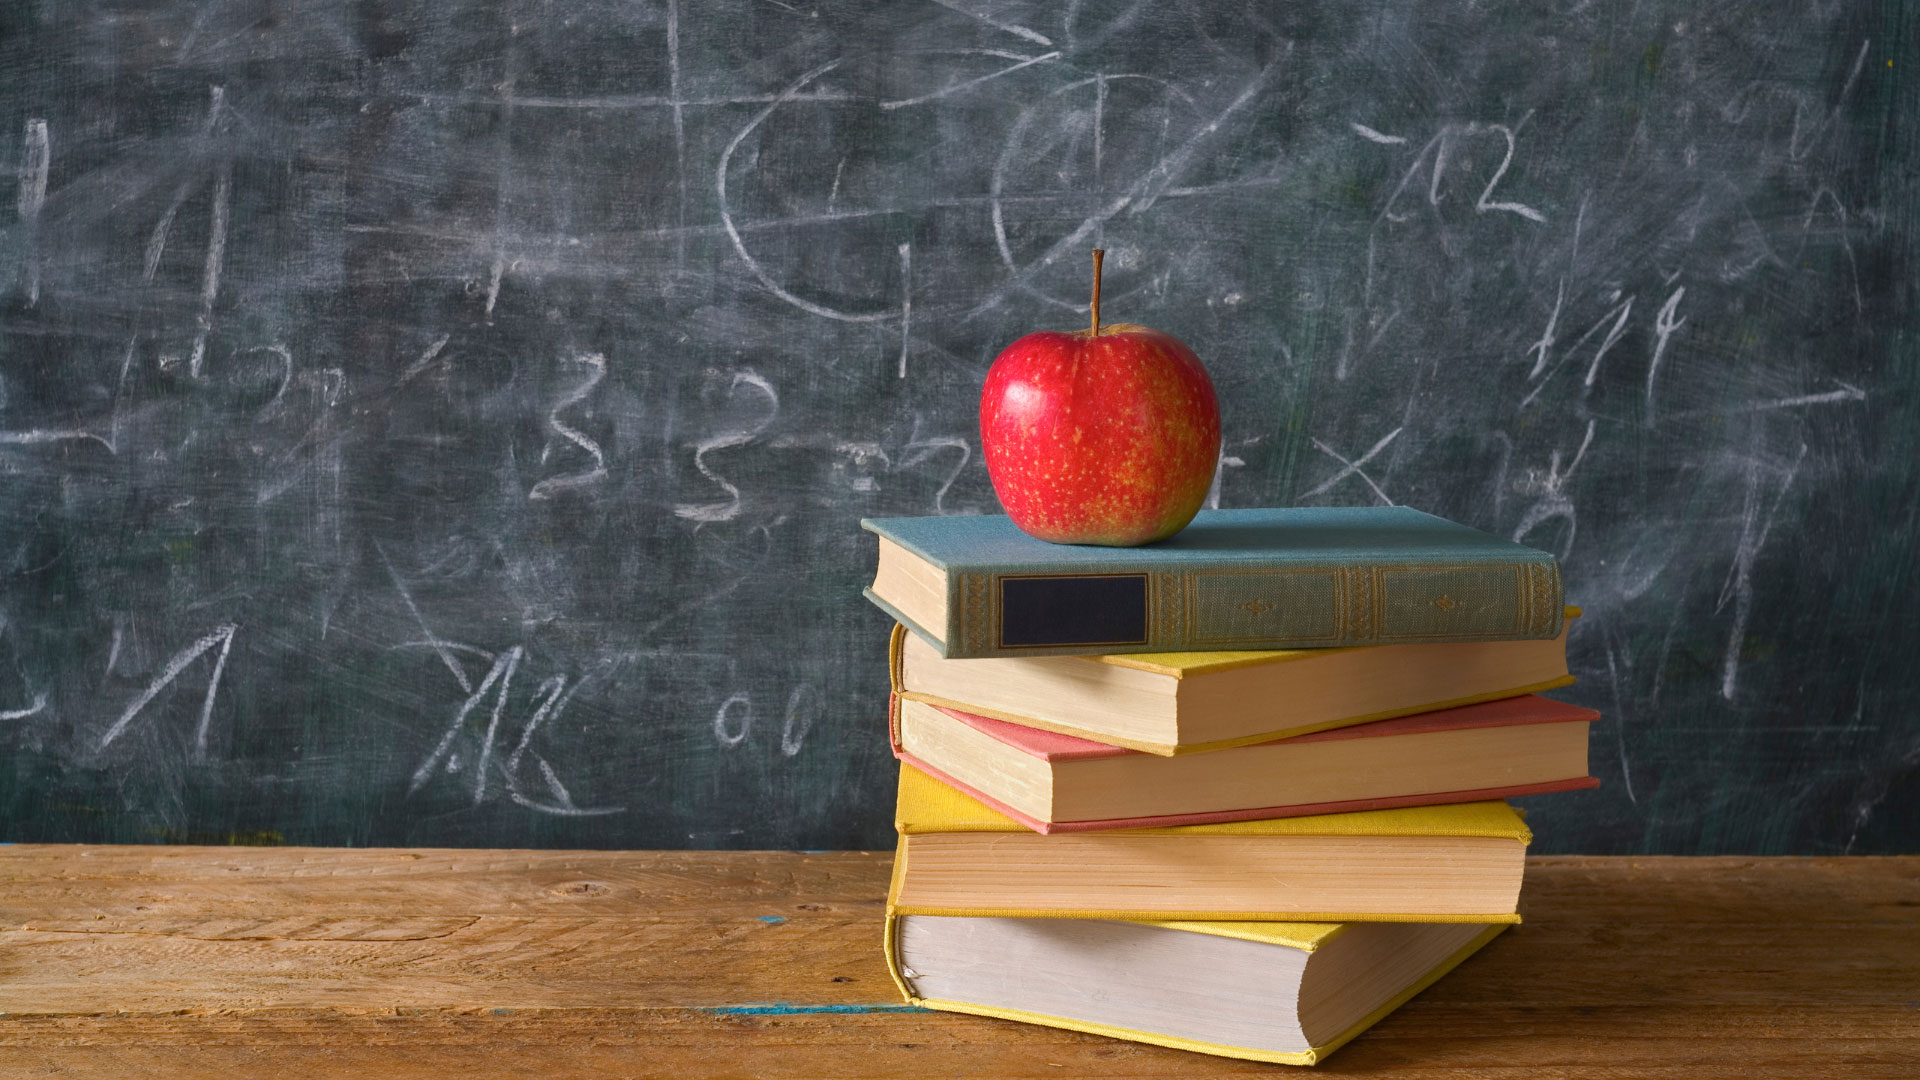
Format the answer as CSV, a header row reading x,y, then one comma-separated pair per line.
x,y
222,637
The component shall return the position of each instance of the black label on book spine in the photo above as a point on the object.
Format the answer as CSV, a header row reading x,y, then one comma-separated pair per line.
x,y
1093,610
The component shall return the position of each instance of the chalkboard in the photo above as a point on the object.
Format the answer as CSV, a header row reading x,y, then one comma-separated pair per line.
x,y
447,423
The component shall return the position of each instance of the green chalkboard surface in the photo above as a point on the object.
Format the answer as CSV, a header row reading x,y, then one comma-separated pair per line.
x,y
448,423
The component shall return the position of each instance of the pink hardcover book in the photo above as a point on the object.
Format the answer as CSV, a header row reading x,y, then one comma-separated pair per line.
x,y
1058,750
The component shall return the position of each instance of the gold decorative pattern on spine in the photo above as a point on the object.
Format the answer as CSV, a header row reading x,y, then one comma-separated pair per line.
x,y
1169,601
977,623
1360,595
1543,610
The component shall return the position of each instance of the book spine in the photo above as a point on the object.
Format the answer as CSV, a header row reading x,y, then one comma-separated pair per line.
x,y
998,612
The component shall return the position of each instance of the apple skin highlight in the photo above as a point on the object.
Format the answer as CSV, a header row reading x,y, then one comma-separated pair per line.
x,y
1107,438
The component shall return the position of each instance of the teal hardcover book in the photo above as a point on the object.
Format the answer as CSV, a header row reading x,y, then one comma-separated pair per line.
x,y
1234,580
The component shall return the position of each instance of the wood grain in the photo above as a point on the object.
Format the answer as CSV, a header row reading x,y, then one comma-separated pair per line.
x,y
149,961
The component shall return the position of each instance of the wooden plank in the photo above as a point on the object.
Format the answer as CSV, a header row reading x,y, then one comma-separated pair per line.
x,y
143,962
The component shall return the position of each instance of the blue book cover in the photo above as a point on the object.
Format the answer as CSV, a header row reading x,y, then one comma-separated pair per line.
x,y
1234,580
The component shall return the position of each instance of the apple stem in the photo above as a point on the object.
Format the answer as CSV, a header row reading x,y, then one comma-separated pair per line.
x,y
1098,255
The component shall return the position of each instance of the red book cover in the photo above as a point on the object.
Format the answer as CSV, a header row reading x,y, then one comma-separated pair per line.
x,y
1054,747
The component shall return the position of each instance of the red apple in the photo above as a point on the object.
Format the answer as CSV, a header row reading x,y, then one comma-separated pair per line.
x,y
1106,436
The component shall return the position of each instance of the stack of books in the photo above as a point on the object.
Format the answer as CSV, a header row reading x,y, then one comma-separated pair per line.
x,y
1240,792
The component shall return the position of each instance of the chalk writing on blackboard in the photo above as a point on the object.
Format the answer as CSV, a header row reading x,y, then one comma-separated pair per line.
x,y
447,424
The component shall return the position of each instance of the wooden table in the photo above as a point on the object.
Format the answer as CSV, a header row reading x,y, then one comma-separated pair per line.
x,y
228,962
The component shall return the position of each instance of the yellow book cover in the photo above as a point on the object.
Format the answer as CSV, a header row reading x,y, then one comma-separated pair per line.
x,y
1178,667
1301,936
929,808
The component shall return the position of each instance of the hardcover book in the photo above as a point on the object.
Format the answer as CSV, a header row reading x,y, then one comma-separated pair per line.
x,y
1232,580
1058,783
1454,863
1281,992
1178,703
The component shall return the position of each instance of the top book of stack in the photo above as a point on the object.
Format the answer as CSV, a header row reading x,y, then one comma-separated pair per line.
x,y
1234,580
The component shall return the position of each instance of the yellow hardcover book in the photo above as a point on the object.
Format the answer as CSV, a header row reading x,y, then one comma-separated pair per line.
x,y
1189,702
1283,992
1454,863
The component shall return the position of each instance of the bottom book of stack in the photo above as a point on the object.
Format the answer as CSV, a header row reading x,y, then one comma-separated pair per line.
x,y
1283,992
